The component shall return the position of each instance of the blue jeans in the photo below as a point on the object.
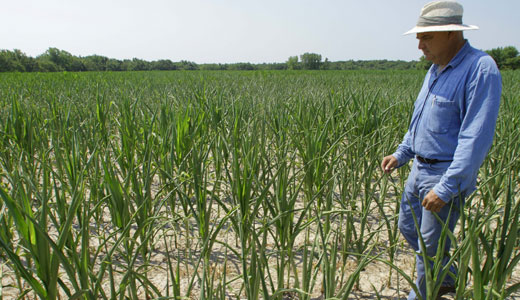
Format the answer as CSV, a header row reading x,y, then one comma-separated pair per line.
x,y
423,177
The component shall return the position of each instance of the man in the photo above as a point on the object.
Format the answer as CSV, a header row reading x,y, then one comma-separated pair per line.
x,y
450,132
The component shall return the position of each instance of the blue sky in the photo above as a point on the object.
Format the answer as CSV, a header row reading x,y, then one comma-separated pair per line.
x,y
227,31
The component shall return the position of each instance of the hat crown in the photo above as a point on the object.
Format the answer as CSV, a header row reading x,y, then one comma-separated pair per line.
x,y
440,13
442,9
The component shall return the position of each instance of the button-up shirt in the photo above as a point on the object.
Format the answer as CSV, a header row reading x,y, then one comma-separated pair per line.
x,y
454,119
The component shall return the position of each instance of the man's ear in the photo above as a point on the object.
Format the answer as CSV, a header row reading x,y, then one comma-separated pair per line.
x,y
451,35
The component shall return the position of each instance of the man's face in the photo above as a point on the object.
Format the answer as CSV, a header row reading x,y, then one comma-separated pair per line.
x,y
434,45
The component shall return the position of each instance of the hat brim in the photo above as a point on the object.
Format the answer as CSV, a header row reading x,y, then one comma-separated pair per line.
x,y
450,27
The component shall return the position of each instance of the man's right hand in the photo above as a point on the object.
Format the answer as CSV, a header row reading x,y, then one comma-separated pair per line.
x,y
389,164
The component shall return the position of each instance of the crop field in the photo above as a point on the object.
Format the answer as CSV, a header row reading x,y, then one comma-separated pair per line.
x,y
232,185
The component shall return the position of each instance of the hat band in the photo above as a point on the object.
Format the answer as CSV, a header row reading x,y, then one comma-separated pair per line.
x,y
435,21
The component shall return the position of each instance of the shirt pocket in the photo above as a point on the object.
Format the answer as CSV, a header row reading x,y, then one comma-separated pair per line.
x,y
442,115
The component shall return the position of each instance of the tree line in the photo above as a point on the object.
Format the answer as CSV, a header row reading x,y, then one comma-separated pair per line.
x,y
56,60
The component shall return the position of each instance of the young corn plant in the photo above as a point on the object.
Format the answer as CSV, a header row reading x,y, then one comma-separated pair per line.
x,y
491,256
104,169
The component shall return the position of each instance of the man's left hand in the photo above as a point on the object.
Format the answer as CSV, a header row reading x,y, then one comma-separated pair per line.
x,y
432,202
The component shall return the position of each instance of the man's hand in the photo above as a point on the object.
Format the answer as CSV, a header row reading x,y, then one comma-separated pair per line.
x,y
432,202
389,164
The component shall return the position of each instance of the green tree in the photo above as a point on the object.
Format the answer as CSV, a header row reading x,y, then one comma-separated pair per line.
x,y
9,62
61,58
310,61
95,63
241,66
114,65
292,63
272,66
45,65
139,65
16,61
512,63
505,57
325,65
214,67
510,52
164,64
4,61
187,65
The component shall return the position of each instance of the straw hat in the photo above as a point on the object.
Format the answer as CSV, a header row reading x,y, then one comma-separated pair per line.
x,y
441,16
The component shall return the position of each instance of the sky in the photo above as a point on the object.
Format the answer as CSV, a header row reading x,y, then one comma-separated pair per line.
x,y
231,31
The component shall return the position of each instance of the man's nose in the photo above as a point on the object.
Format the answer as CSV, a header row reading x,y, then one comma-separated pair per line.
x,y
420,45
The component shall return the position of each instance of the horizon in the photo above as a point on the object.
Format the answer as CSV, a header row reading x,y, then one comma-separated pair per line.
x,y
225,63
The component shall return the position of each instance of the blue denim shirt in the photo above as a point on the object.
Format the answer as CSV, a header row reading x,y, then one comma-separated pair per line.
x,y
454,119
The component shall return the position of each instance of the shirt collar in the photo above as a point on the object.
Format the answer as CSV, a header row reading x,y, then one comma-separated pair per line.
x,y
460,55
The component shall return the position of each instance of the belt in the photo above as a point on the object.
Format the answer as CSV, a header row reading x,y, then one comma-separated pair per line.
x,y
430,161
